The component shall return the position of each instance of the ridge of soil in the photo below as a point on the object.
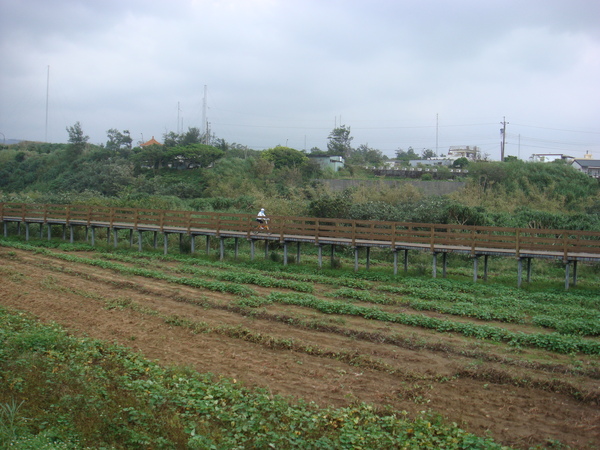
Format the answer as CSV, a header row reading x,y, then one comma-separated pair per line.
x,y
519,399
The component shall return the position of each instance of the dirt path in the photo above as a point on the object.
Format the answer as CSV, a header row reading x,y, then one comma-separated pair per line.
x,y
520,399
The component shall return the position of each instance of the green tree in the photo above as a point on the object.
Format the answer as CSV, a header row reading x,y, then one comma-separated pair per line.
x,y
153,156
428,153
117,140
364,155
285,157
77,140
408,155
340,142
460,163
195,155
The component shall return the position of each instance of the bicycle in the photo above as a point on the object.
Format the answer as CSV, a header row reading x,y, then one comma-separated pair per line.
x,y
262,226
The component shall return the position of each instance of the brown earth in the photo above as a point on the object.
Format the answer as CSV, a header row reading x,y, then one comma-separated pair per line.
x,y
519,397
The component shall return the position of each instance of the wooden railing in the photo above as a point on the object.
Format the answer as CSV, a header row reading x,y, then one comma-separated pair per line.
x,y
434,237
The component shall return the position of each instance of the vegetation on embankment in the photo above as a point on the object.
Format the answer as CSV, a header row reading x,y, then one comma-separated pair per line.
x,y
231,177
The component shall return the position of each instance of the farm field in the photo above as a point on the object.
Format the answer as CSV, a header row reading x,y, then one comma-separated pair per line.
x,y
521,367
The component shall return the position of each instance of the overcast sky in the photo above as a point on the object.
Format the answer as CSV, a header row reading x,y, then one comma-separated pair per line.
x,y
426,74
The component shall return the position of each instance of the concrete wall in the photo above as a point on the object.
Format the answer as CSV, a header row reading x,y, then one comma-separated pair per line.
x,y
427,187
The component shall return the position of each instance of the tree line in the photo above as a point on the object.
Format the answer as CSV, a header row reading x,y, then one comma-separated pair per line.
x,y
193,171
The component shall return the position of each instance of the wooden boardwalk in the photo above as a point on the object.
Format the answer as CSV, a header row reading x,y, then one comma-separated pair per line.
x,y
523,244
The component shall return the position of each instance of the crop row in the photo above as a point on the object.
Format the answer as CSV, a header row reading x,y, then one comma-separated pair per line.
x,y
112,398
230,288
566,319
552,342
512,304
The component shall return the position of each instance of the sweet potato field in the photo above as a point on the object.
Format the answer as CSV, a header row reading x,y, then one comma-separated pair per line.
x,y
521,367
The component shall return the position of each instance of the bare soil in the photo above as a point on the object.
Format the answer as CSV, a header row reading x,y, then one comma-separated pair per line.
x,y
520,397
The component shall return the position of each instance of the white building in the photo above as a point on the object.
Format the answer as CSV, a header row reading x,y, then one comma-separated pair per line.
x,y
550,157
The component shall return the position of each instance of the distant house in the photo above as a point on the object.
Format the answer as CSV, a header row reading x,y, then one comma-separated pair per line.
x,y
150,142
550,157
590,167
334,162
458,151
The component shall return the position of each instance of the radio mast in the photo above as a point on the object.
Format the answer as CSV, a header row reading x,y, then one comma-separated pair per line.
x,y
47,95
204,123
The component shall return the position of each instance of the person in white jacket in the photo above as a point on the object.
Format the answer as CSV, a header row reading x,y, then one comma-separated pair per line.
x,y
261,218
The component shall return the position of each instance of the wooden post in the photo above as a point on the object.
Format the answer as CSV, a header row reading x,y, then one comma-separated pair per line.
x,y
519,272
26,231
298,252
93,235
116,231
71,237
193,243
320,258
166,243
395,252
434,273
222,249
252,249
567,267
356,259
140,241
444,264
285,256
485,267
529,270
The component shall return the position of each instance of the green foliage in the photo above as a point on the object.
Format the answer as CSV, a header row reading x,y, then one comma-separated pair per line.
x,y
81,392
366,156
408,155
339,141
285,157
77,141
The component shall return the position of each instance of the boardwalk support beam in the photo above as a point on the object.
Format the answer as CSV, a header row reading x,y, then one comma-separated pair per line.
x,y
485,267
444,264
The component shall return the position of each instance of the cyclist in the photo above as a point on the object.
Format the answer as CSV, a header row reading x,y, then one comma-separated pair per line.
x,y
261,218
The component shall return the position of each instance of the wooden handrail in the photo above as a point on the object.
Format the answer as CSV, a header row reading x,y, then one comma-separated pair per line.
x,y
350,232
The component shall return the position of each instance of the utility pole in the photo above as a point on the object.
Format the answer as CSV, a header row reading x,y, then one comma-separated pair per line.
x,y
503,132
47,95
204,122
437,122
